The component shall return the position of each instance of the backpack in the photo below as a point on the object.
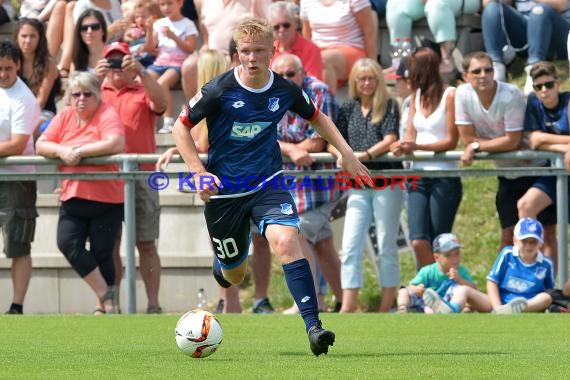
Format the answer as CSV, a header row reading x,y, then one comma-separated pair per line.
x,y
560,302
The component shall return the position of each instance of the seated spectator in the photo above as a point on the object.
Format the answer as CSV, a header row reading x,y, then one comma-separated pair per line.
x,y
38,9
345,31
287,40
20,113
432,201
145,13
217,19
61,26
547,125
534,28
441,278
90,210
369,122
6,12
38,69
440,15
91,33
175,37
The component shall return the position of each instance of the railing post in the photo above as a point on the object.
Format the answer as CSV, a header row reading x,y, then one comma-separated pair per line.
x,y
129,164
562,226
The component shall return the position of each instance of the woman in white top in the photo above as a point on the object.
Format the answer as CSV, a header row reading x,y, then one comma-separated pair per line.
x,y
432,202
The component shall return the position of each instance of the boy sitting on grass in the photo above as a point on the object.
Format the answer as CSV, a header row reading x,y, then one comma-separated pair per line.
x,y
518,281
440,278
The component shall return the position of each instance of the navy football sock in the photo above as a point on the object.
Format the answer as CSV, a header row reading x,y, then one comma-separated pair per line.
x,y
300,283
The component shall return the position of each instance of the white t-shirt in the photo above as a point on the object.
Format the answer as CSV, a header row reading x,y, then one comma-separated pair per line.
x,y
169,52
19,114
334,24
506,113
111,15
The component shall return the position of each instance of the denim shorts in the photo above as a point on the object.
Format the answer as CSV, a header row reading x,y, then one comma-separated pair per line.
x,y
162,69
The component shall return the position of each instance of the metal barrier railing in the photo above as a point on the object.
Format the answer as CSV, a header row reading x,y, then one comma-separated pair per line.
x,y
128,164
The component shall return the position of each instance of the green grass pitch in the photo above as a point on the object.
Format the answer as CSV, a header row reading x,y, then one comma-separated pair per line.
x,y
368,346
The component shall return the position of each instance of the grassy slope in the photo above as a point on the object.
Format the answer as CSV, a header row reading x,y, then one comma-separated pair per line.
x,y
255,347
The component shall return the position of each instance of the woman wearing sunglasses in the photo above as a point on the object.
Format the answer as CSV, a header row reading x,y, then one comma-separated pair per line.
x,y
90,37
89,209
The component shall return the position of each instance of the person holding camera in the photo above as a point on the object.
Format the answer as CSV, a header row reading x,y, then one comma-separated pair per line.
x,y
138,99
512,27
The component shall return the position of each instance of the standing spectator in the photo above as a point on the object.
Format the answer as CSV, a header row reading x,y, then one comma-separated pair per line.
x,y
175,37
440,15
432,202
546,122
38,70
91,35
370,121
490,115
20,114
217,20
246,131
138,102
287,40
89,209
536,27
297,139
344,30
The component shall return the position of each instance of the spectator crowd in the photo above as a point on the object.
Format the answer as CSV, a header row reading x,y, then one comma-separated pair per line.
x,y
87,78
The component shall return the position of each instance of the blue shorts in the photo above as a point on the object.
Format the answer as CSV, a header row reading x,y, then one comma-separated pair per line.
x,y
547,184
228,221
162,69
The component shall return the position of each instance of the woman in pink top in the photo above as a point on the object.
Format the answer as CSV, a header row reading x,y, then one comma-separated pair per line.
x,y
344,30
90,209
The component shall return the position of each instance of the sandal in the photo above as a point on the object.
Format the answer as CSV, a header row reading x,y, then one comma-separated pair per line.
x,y
63,72
98,312
110,296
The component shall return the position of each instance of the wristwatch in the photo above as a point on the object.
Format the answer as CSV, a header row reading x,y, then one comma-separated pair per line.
x,y
476,146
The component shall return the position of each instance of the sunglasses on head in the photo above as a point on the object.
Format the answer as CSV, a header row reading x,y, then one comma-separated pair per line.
x,y
288,74
94,27
548,85
285,25
478,71
77,95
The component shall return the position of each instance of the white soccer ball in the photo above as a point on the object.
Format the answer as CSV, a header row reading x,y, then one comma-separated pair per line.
x,y
198,333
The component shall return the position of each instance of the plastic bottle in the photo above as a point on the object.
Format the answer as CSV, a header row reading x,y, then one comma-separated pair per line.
x,y
406,47
396,52
201,299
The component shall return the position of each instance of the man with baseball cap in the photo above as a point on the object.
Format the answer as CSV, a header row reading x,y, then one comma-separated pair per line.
x,y
139,99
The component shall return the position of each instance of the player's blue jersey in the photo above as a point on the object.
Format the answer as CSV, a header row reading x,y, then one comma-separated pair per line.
x,y
518,279
242,127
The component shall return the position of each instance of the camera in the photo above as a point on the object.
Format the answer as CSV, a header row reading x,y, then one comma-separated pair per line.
x,y
115,63
509,54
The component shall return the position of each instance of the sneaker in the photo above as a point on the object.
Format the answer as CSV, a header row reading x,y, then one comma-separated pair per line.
x,y
14,312
402,309
528,84
167,126
218,275
500,72
220,306
320,339
154,310
263,307
434,301
514,306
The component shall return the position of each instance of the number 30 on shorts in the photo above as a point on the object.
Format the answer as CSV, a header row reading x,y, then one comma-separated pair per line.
x,y
226,248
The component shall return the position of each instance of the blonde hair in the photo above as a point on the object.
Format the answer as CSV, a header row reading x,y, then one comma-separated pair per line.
x,y
211,63
251,28
150,6
380,97
85,81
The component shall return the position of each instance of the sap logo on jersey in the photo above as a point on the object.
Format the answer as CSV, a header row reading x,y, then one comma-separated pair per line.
x,y
247,131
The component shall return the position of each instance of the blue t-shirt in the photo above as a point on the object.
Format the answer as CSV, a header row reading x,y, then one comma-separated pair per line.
x,y
242,127
518,279
540,118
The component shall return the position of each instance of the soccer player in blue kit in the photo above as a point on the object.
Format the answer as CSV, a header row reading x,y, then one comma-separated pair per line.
x,y
241,179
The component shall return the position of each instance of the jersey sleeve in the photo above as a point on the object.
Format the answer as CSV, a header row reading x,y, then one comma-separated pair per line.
x,y
303,105
204,103
499,266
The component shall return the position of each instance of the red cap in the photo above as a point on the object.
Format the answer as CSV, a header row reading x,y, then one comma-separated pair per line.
x,y
121,47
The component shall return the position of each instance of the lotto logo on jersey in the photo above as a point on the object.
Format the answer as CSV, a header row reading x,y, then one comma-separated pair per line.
x,y
247,131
